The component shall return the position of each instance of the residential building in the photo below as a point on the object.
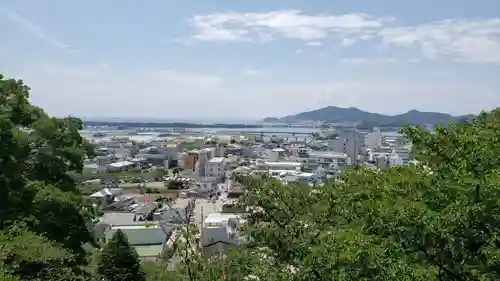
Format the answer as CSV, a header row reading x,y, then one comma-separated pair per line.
x,y
403,152
121,146
106,196
189,161
395,160
156,156
317,176
347,142
176,213
219,232
208,184
331,161
274,155
147,239
200,166
382,162
274,168
216,167
373,140
218,151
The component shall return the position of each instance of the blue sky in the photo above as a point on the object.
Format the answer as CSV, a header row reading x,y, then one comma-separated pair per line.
x,y
220,59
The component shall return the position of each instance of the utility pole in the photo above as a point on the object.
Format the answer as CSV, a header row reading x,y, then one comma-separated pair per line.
x,y
201,225
141,183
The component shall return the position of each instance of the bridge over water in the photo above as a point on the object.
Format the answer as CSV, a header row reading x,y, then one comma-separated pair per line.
x,y
267,133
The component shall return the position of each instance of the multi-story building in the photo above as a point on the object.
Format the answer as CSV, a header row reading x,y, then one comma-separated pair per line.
x,y
395,160
373,140
203,156
219,232
189,160
347,142
155,156
275,168
122,147
219,151
329,160
403,152
274,155
216,167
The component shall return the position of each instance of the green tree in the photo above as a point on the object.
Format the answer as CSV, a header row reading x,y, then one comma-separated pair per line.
x,y
438,220
38,197
119,261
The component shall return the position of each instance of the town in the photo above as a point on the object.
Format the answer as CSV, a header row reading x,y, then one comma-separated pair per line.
x,y
150,184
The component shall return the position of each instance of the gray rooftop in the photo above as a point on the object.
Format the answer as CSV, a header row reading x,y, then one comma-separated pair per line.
x,y
217,160
117,218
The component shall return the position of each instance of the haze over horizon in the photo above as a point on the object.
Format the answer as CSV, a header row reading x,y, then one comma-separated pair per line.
x,y
222,120
216,60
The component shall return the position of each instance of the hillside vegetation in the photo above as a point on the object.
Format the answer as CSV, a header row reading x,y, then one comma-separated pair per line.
x,y
439,220
335,114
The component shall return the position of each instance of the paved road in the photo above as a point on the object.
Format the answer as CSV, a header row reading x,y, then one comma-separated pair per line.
x,y
207,206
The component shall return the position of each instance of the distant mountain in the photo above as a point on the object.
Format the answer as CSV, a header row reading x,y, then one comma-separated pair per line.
x,y
333,114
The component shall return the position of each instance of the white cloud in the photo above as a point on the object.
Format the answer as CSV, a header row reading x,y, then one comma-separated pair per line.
x,y
34,30
284,23
348,42
315,43
465,40
472,40
299,51
367,60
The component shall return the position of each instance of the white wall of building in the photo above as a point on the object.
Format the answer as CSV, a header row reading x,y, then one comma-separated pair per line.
x,y
348,143
373,140
395,160
272,155
215,167
403,153
331,161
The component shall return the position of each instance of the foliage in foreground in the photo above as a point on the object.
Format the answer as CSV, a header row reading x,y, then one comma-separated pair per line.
x,y
438,220
119,261
42,220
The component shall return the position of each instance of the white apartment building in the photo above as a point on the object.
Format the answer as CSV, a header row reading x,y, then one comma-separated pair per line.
x,y
216,167
274,155
395,160
329,160
200,166
385,160
373,140
123,148
219,232
348,143
402,152
317,176
218,151
275,168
